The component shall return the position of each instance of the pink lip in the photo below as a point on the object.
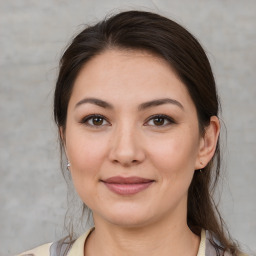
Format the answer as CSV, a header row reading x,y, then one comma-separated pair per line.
x,y
127,185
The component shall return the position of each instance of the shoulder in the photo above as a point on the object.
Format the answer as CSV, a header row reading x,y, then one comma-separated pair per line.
x,y
210,250
60,248
43,250
51,249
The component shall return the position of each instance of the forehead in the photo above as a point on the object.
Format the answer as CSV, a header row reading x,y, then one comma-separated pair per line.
x,y
129,75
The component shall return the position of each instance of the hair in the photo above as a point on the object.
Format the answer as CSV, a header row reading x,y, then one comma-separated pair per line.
x,y
139,30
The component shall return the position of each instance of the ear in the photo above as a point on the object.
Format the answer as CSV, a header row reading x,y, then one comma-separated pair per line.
x,y
208,143
62,136
63,139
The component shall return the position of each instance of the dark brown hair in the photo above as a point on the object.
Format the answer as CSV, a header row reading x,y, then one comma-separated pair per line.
x,y
165,38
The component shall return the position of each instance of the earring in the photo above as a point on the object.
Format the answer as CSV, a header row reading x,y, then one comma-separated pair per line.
x,y
201,171
68,164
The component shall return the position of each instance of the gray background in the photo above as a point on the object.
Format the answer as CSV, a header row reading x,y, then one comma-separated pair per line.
x,y
32,36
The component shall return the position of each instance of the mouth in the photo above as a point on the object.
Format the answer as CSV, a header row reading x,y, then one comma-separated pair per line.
x,y
127,185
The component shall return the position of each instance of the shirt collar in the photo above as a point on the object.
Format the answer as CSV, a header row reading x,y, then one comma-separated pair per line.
x,y
77,248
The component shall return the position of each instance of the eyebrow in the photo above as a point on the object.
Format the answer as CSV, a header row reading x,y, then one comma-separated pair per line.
x,y
98,102
143,106
159,102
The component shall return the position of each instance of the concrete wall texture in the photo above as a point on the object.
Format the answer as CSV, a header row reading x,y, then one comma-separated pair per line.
x,y
33,35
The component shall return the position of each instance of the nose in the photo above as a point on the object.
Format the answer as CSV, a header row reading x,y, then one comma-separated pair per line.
x,y
126,147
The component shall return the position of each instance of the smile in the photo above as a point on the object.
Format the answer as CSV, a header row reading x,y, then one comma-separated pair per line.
x,y
127,185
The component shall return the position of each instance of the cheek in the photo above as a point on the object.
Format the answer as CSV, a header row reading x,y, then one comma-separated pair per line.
x,y
174,160
85,153
174,155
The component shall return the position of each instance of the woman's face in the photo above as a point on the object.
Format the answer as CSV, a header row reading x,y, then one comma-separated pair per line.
x,y
132,139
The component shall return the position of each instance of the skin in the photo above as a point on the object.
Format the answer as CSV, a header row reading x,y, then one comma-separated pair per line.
x,y
128,141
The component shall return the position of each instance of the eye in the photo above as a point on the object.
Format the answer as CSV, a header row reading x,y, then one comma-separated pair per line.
x,y
159,120
95,121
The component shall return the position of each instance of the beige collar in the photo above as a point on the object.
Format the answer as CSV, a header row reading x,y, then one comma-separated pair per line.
x,y
78,247
201,251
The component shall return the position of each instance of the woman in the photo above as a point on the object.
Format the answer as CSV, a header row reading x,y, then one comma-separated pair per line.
x,y
137,112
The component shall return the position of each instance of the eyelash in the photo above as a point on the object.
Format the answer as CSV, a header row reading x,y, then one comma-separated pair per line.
x,y
161,116
86,120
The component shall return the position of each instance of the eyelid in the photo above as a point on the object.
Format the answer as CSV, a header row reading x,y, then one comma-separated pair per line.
x,y
168,118
85,120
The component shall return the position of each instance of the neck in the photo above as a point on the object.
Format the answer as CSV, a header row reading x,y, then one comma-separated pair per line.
x,y
160,239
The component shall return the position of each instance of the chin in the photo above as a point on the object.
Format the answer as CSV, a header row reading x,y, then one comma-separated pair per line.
x,y
128,217
129,221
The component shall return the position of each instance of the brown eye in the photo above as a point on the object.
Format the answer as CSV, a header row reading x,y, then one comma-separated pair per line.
x,y
97,121
158,121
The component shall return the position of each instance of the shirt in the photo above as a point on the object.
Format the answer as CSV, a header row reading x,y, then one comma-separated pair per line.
x,y
77,249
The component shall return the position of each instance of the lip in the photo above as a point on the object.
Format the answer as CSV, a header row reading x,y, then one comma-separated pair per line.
x,y
127,185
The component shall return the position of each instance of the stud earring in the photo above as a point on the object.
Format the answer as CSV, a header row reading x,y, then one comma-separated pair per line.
x,y
201,171
68,164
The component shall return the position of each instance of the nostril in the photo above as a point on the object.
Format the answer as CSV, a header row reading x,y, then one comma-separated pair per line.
x,y
125,162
